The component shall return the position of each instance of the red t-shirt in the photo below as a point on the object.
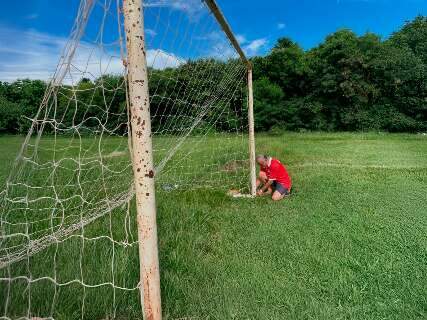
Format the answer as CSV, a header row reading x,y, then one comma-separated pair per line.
x,y
275,170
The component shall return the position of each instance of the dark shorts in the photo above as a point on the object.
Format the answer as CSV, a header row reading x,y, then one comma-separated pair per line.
x,y
280,188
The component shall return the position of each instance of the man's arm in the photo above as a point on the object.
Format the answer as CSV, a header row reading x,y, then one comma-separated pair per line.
x,y
265,187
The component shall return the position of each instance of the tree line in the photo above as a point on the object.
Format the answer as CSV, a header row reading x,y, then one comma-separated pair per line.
x,y
346,83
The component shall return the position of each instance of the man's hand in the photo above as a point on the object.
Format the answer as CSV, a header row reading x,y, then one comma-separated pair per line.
x,y
264,189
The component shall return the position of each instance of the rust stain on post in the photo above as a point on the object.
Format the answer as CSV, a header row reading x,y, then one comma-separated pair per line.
x,y
143,160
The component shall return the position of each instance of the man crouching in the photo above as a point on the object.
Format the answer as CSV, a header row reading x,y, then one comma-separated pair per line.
x,y
273,178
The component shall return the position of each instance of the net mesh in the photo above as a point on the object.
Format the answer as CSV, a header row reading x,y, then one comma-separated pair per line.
x,y
68,246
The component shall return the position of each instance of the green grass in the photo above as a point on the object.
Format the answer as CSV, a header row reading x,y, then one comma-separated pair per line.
x,y
350,243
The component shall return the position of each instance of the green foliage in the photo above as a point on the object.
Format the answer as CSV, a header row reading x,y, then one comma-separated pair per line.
x,y
413,35
305,114
347,83
268,104
20,101
286,66
9,116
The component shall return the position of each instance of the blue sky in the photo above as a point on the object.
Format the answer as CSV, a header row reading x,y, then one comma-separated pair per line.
x,y
32,32
309,21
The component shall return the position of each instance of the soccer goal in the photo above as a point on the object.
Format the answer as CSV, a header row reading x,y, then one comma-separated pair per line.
x,y
149,98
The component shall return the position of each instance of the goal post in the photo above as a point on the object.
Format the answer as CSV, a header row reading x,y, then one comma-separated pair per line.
x,y
143,165
227,30
142,146
251,133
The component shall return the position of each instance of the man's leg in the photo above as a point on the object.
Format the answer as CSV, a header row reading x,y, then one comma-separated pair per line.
x,y
277,196
279,192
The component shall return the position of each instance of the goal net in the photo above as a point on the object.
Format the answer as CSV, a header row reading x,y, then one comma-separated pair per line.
x,y
68,244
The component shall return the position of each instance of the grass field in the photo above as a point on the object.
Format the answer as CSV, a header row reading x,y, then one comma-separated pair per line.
x,y
350,243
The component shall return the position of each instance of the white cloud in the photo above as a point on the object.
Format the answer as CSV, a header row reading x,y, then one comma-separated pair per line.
x,y
281,26
241,39
159,59
211,36
150,32
191,7
35,55
215,45
254,46
28,54
219,46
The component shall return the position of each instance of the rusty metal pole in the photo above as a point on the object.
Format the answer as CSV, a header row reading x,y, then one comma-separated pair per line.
x,y
213,7
143,166
251,133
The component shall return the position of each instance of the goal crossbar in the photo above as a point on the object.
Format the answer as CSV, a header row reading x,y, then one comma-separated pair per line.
x,y
216,11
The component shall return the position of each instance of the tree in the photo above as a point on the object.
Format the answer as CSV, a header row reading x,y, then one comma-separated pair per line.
x,y
413,35
348,82
402,78
286,67
268,104
10,114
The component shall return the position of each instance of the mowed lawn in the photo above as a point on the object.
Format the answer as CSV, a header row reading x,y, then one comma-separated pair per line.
x,y
350,243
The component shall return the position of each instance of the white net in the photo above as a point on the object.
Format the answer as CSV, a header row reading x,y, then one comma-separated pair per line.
x,y
68,245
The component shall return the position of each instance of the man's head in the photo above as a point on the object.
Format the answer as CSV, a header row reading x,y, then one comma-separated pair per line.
x,y
262,160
